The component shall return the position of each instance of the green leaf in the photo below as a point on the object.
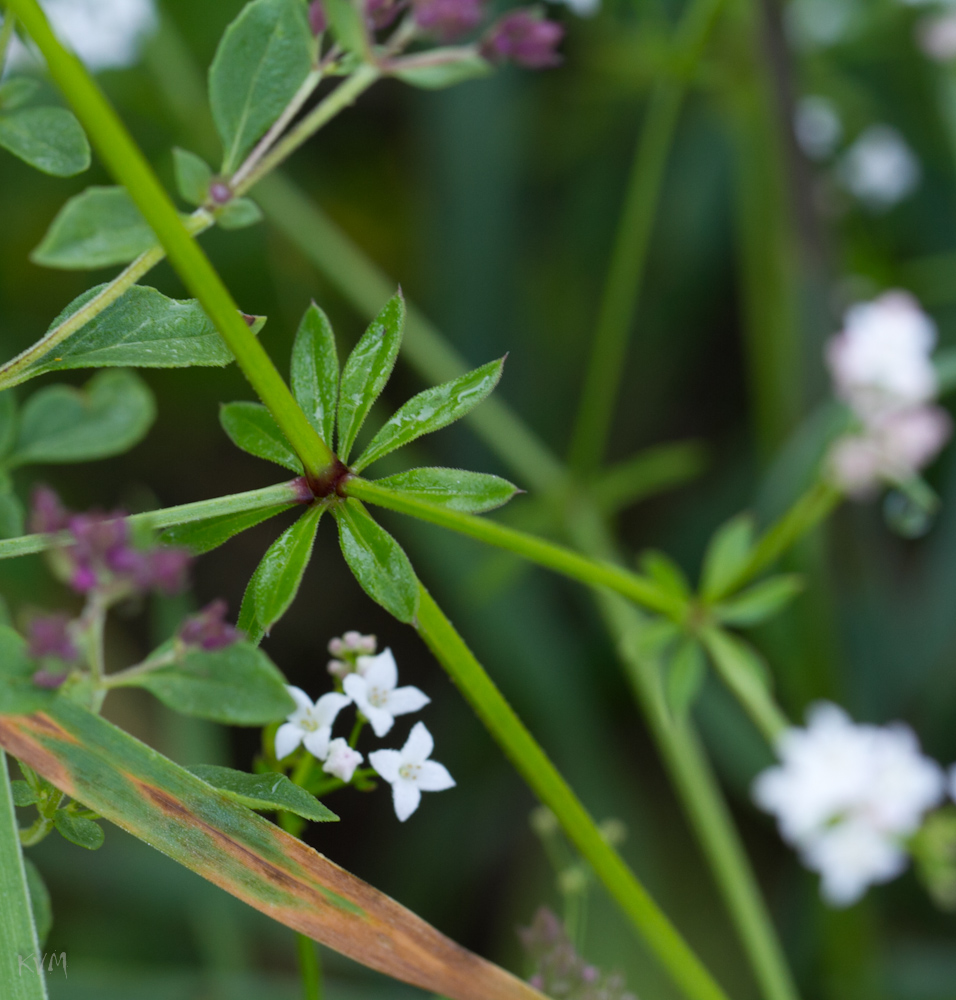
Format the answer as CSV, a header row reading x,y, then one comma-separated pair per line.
x,y
440,68
726,555
248,617
40,901
685,676
16,91
367,370
204,536
348,25
78,830
760,602
50,139
315,372
110,414
666,573
377,560
454,489
8,422
262,60
12,514
250,427
98,228
141,329
271,791
18,694
238,213
238,685
280,572
193,176
431,410
654,637
23,794
740,665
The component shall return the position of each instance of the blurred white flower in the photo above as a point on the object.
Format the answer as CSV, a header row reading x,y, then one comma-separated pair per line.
x,y
410,772
817,127
374,691
818,24
342,760
583,8
845,795
936,36
309,724
879,168
105,34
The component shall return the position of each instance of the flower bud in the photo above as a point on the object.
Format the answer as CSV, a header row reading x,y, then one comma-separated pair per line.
x,y
448,19
209,629
524,37
318,22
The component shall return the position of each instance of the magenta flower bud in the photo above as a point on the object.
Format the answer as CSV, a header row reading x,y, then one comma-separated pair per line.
x,y
318,22
83,579
381,13
168,568
209,629
448,19
524,37
47,513
48,635
48,679
220,192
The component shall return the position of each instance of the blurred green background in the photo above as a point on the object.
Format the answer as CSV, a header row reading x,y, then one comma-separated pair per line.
x,y
495,204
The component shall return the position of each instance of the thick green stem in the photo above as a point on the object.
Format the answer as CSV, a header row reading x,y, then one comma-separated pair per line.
x,y
309,968
128,165
546,782
20,975
625,275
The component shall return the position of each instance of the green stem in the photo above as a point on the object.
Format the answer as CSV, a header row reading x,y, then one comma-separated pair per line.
x,y
128,165
123,677
626,271
556,557
546,782
18,937
309,968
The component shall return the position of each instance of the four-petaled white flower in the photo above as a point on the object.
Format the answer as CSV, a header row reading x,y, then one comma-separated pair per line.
x,y
342,760
309,724
410,772
374,691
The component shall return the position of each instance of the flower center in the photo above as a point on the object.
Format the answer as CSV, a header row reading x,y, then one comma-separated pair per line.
x,y
309,724
377,696
410,772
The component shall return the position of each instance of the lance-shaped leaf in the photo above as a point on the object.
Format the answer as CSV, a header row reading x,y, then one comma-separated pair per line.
x,y
204,536
175,812
431,410
348,25
50,139
377,560
685,676
141,329
761,601
367,370
280,572
666,573
442,68
8,422
726,555
193,176
249,621
262,60
238,685
454,489
269,792
110,414
250,427
40,901
98,228
315,372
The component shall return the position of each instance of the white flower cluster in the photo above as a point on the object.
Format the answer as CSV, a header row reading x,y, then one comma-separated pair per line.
x,y
883,370
370,683
847,796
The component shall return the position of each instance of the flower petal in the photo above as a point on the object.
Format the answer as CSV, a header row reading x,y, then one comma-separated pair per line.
x,y
380,671
356,688
419,745
434,777
386,764
405,797
381,719
403,700
288,737
303,703
329,706
317,742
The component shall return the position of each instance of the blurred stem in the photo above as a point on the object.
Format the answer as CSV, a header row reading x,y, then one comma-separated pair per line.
x,y
309,968
552,790
625,274
18,936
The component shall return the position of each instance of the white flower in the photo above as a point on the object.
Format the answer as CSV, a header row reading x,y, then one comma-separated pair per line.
x,y
410,772
342,760
845,795
880,168
817,24
105,34
374,692
309,724
936,36
817,127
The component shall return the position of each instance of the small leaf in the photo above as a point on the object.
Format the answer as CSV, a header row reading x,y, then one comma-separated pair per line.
x,y
15,92
666,573
248,618
367,370
271,792
193,176
740,665
12,514
262,60
726,555
348,25
40,901
280,572
431,410
110,414
250,427
50,139
8,422
238,213
238,685
98,228
23,794
453,489
377,560
760,602
204,536
654,637
141,329
79,830
685,676
440,68
315,372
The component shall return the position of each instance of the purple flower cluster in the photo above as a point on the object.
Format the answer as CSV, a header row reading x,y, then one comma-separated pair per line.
x,y
449,19
102,554
49,635
209,629
524,37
